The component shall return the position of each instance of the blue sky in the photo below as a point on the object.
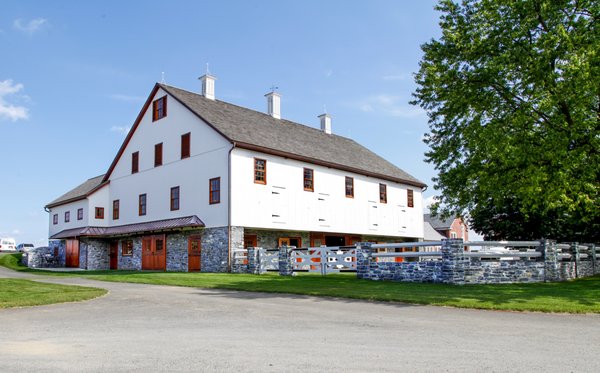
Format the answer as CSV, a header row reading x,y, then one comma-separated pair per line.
x,y
74,75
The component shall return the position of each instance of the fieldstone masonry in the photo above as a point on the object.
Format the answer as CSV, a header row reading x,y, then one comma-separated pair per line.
x,y
215,249
177,252
456,268
96,254
134,261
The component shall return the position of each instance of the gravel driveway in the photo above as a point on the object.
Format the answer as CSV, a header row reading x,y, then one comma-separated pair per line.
x,y
146,328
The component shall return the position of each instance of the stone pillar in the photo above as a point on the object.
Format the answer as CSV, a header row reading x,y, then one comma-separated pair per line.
x,y
363,260
286,267
550,252
592,252
575,257
253,260
453,261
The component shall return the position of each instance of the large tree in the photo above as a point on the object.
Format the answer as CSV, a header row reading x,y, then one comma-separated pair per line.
x,y
512,91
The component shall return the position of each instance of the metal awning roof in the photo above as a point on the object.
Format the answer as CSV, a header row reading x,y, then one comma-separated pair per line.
x,y
157,225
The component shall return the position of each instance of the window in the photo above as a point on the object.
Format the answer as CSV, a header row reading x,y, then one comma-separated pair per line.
x,y
382,193
159,108
55,219
158,155
185,145
79,214
214,195
99,213
127,248
453,235
116,209
349,187
308,180
175,198
135,162
410,202
67,216
260,171
142,205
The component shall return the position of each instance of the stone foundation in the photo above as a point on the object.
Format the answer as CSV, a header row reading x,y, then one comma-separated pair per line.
x,y
96,254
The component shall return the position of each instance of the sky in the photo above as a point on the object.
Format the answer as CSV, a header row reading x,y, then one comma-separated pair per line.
x,y
75,74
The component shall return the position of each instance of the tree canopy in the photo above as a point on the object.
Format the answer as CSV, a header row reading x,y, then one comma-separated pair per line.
x,y
512,91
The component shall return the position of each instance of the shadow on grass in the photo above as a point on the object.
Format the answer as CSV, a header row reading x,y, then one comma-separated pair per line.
x,y
579,296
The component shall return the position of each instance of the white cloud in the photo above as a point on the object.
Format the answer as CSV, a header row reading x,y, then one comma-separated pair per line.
x,y
428,201
391,105
122,130
8,110
30,27
126,98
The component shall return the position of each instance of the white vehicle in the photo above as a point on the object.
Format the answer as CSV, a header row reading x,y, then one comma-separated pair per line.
x,y
8,244
24,247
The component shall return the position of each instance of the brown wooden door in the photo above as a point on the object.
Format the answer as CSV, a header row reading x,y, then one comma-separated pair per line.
x,y
114,255
72,253
250,241
194,254
154,253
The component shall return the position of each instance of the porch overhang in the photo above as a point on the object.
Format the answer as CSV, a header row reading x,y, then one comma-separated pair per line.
x,y
130,229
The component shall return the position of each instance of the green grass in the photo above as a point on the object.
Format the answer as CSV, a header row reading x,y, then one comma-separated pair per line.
x,y
22,293
579,296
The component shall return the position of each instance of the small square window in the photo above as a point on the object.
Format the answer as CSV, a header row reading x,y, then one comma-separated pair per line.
x,y
67,216
79,214
99,213
159,108
127,248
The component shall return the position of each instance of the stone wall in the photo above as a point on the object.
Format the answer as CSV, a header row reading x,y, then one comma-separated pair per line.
x,y
97,254
503,271
62,250
38,257
269,239
177,252
131,262
457,268
215,249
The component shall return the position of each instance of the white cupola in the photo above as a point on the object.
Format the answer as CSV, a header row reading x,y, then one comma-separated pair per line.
x,y
208,86
325,123
274,104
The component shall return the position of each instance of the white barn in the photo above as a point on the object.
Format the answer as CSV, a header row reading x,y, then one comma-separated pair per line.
x,y
197,177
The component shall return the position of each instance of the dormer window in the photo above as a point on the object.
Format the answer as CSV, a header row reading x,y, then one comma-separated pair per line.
x,y
159,108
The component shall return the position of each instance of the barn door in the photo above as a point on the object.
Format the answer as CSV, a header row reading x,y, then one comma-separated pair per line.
x,y
72,253
194,254
154,253
114,254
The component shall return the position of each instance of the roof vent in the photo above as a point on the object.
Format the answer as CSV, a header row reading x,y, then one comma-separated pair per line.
x,y
208,86
274,104
325,123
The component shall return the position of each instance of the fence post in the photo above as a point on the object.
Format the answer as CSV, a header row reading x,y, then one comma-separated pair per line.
x,y
363,260
575,254
286,267
453,261
550,252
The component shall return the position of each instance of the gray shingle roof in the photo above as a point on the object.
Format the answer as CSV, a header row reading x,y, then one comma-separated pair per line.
x,y
430,234
251,127
79,192
438,223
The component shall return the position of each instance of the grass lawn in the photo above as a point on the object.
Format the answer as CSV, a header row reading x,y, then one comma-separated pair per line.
x,y
579,296
22,293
